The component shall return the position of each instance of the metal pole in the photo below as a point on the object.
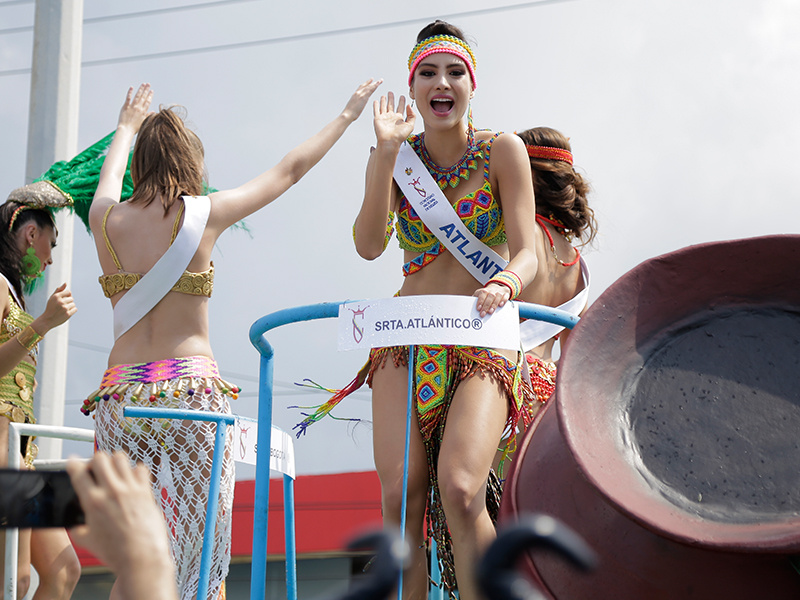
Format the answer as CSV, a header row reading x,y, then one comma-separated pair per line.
x,y
53,136
258,567
406,454
289,538
258,339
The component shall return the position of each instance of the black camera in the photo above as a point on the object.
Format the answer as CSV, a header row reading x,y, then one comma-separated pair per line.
x,y
38,499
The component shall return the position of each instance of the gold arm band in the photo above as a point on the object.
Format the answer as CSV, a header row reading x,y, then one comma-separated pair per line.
x,y
28,338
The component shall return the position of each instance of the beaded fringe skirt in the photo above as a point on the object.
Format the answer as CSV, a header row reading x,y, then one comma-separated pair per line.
x,y
179,453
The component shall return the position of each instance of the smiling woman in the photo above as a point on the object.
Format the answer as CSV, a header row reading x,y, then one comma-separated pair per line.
x,y
466,397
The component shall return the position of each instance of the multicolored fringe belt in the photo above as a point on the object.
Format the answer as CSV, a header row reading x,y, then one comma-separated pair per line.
x,y
178,452
155,380
438,370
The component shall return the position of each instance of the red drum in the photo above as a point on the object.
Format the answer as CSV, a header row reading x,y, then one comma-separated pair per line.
x,y
673,442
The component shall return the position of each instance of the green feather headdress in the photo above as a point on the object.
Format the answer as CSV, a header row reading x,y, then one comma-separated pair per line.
x,y
72,184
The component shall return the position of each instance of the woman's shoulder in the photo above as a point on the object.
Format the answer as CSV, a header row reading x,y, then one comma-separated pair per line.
x,y
507,142
97,212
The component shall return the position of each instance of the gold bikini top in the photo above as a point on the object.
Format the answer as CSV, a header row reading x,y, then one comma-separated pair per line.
x,y
196,284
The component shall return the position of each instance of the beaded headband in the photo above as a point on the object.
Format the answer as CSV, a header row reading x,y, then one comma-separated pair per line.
x,y
549,153
442,44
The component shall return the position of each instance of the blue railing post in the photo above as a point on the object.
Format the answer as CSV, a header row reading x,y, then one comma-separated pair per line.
x,y
258,570
289,534
258,573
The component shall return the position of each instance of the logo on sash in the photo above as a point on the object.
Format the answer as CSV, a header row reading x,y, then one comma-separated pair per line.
x,y
358,331
417,186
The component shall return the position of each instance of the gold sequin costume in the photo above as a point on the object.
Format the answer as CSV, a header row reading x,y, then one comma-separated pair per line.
x,y
16,388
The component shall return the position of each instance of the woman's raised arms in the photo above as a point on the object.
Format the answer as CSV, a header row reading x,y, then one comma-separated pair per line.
x,y
230,206
392,127
134,110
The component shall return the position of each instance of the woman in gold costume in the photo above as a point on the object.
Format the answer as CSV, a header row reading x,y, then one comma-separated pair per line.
x,y
27,237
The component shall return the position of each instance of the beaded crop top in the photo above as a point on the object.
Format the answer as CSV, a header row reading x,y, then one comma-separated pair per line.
x,y
478,210
195,284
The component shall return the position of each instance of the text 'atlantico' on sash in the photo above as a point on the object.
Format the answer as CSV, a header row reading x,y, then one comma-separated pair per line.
x,y
431,322
484,263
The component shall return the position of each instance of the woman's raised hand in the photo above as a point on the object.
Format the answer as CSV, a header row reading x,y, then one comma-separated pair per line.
x,y
358,100
393,125
136,107
60,307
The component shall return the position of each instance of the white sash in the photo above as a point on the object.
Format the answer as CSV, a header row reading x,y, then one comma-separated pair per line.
x,y
155,284
534,333
12,291
440,217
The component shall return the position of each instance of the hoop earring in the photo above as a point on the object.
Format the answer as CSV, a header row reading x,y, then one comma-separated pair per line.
x,y
30,265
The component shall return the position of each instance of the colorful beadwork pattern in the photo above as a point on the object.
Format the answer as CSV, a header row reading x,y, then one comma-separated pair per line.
x,y
449,175
543,379
187,375
437,373
478,210
442,43
423,260
508,279
549,153
179,454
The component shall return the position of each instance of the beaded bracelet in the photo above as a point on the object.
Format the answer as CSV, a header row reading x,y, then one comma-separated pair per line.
x,y
387,235
510,280
28,338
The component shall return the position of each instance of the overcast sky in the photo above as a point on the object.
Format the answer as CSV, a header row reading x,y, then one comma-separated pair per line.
x,y
682,114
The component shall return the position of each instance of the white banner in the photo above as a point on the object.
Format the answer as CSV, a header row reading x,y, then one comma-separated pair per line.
x,y
451,320
281,456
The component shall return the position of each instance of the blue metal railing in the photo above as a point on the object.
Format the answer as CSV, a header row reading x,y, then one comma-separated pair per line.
x,y
258,330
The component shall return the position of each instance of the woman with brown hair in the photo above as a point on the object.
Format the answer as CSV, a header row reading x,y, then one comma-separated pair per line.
x,y
155,253
465,397
454,443
562,279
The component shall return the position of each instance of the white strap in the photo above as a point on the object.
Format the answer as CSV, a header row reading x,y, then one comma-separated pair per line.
x,y
12,290
535,333
151,288
439,216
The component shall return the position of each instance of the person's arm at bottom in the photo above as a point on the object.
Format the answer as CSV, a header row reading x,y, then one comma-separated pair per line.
x,y
124,525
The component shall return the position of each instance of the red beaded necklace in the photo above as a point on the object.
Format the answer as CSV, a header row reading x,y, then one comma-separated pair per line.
x,y
542,220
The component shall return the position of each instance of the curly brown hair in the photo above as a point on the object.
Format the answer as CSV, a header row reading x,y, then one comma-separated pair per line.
x,y
560,191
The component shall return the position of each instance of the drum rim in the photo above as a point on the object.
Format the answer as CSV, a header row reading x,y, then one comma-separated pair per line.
x,y
586,413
